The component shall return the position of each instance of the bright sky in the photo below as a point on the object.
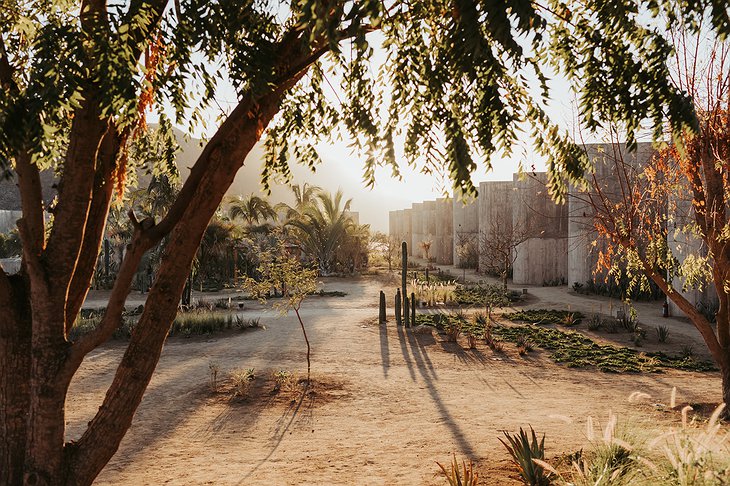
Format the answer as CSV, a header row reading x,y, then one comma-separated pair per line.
x,y
344,169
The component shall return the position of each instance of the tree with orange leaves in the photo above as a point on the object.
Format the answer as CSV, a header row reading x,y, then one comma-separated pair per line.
x,y
666,221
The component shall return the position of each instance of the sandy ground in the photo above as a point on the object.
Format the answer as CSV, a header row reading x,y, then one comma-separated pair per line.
x,y
385,405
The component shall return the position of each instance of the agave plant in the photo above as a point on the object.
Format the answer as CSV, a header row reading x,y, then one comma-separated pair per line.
x,y
525,450
464,476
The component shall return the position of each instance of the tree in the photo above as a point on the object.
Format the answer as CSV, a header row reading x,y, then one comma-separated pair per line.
x,y
426,247
252,208
467,248
388,246
681,194
280,269
76,82
498,245
321,227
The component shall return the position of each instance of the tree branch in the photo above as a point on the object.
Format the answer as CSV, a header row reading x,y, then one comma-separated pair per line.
x,y
115,307
6,69
31,198
102,192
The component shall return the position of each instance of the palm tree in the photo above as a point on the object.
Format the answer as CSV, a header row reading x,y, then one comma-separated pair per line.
x,y
252,208
321,227
304,195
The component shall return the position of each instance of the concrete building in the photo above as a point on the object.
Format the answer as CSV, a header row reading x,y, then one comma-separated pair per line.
x,y
465,224
584,245
542,258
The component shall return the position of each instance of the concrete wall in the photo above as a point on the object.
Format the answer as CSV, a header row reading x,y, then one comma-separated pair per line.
x,y
540,261
8,219
495,210
465,224
582,252
408,230
417,229
543,257
443,250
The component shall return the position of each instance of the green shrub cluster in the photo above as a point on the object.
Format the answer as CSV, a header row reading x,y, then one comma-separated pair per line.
x,y
545,316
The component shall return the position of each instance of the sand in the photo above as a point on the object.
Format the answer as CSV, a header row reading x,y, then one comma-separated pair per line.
x,y
384,406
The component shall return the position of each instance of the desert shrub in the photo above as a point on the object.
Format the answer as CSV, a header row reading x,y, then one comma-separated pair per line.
x,y
480,319
213,370
524,345
453,331
471,340
497,345
594,322
284,380
525,450
546,316
456,476
662,333
241,380
195,323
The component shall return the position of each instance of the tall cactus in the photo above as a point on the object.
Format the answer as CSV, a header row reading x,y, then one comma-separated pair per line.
x,y
381,316
398,316
406,309
413,309
404,268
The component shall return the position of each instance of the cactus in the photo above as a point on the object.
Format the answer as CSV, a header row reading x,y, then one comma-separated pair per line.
x,y
398,316
413,309
406,311
404,268
382,318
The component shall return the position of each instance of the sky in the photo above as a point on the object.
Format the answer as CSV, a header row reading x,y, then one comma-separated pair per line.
x,y
341,168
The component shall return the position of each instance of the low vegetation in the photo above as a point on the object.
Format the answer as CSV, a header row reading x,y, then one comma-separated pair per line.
x,y
528,454
459,476
570,348
187,324
486,295
546,316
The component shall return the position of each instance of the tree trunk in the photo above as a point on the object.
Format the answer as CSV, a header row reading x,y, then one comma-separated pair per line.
x,y
725,369
15,338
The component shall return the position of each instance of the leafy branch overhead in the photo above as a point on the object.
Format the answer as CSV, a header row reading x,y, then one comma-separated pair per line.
x,y
455,82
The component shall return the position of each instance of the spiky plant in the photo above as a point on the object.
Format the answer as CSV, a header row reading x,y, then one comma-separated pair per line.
x,y
456,476
524,449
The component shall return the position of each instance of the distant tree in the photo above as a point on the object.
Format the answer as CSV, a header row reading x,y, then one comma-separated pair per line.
x,y
498,246
321,227
426,247
388,246
252,209
467,248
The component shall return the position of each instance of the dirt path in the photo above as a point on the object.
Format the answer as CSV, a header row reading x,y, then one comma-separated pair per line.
x,y
385,405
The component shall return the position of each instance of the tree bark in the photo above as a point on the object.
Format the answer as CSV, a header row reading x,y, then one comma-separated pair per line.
x,y
15,338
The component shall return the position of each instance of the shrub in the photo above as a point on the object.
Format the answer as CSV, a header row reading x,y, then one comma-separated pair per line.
x,y
662,333
284,380
241,380
464,476
471,340
453,331
525,450
595,322
213,370
524,345
545,316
